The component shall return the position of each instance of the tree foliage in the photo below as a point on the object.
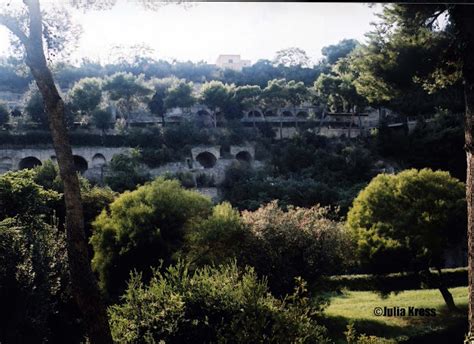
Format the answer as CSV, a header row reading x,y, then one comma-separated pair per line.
x,y
141,227
408,220
86,95
298,242
213,304
180,95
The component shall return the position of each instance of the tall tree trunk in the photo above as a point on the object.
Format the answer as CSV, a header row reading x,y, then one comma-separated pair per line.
x,y
84,284
462,16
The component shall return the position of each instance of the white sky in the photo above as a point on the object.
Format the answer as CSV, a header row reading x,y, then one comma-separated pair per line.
x,y
205,30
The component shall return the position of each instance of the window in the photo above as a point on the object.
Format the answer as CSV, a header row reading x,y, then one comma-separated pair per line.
x,y
231,61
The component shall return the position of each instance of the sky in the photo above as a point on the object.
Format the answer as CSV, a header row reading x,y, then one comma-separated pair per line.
x,y
203,31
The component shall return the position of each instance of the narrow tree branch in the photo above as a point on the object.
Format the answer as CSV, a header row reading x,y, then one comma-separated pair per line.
x,y
435,16
12,25
35,24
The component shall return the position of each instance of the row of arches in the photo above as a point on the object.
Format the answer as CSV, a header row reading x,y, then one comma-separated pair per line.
x,y
271,113
260,114
81,164
209,160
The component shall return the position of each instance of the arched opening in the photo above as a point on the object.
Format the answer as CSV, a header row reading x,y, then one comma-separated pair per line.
x,y
80,163
243,156
287,114
206,159
98,160
302,114
269,113
29,162
6,164
254,113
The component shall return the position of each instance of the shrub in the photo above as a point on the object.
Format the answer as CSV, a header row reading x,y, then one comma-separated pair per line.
x,y
203,180
125,172
141,227
353,337
94,198
212,305
185,133
37,303
217,239
299,242
21,197
155,157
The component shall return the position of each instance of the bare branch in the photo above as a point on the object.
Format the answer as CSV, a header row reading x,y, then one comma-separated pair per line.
x,y
11,24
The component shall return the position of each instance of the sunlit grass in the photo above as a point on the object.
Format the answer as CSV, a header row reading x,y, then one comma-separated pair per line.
x,y
358,306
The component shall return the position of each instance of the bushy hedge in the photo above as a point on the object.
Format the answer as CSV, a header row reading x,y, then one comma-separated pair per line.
x,y
213,305
141,227
280,245
396,281
37,305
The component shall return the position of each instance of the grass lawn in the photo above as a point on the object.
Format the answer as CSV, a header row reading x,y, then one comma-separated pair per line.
x,y
358,306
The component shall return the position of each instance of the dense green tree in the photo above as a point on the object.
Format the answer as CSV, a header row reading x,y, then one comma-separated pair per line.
x,y
450,45
157,102
21,196
141,227
35,290
86,95
4,115
217,239
94,198
180,95
406,222
102,119
218,97
394,64
332,53
248,96
336,89
125,171
34,107
128,91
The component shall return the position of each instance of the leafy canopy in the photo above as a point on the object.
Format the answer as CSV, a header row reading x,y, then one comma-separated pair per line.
x,y
406,221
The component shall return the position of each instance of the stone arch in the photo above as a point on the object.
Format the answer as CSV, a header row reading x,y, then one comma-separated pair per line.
x,y
269,113
254,113
206,159
243,156
80,163
287,113
6,163
29,162
98,160
302,114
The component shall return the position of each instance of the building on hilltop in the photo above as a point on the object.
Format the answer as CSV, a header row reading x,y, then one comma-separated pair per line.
x,y
232,62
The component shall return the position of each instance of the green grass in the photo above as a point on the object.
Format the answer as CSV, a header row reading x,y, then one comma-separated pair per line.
x,y
358,306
